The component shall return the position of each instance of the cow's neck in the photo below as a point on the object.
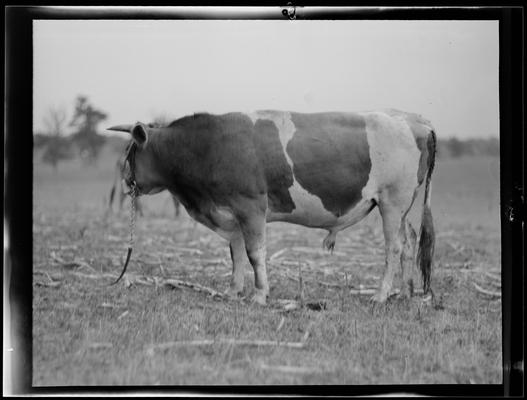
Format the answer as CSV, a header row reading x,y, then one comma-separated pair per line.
x,y
171,152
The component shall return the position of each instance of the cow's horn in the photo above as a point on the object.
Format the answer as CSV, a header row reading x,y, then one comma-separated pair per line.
x,y
121,128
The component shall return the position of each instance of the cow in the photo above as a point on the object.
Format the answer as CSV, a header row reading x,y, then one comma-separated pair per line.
x,y
235,172
118,178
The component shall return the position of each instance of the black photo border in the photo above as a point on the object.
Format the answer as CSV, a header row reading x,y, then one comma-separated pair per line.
x,y
18,185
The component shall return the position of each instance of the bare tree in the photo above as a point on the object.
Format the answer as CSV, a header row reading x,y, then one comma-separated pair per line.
x,y
85,119
58,146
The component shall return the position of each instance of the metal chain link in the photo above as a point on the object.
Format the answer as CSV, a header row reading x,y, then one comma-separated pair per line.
x,y
133,195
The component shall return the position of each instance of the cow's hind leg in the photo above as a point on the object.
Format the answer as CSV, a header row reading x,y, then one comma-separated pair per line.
x,y
239,261
394,206
408,261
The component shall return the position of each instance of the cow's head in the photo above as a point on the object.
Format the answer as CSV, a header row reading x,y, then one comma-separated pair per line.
x,y
140,165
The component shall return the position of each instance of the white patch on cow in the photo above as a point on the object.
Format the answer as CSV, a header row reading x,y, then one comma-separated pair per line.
x,y
394,154
309,208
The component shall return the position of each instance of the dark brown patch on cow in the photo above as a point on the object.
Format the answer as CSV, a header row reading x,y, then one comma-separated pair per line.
x,y
209,160
331,157
278,173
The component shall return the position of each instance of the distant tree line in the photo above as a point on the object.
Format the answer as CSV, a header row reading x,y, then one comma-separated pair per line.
x,y
57,147
454,147
84,142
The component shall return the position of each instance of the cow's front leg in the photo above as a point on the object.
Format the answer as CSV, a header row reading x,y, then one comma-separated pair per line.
x,y
255,246
239,261
252,224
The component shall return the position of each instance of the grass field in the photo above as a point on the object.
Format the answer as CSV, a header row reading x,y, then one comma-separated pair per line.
x,y
142,332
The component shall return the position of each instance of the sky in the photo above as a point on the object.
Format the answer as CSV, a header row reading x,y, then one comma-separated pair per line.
x,y
140,70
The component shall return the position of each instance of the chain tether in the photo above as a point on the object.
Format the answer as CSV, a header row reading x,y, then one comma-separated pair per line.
x,y
133,195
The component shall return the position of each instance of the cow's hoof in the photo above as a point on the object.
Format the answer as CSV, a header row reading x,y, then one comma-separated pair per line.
x,y
404,294
407,290
234,293
260,297
379,298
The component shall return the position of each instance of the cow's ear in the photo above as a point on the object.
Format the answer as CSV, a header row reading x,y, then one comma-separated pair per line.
x,y
139,134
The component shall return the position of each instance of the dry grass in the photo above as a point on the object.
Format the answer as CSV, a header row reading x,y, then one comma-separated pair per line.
x,y
86,333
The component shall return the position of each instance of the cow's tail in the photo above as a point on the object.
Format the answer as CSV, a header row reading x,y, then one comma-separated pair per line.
x,y
425,251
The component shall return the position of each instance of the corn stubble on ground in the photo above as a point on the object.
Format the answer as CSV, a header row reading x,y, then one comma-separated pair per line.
x,y
167,322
